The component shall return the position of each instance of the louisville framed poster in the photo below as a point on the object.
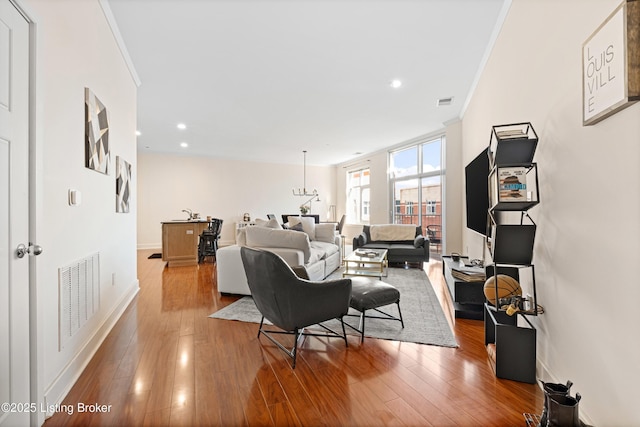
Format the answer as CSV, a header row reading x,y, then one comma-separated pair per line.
x,y
611,64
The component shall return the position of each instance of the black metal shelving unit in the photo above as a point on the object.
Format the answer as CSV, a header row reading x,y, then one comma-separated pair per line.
x,y
513,190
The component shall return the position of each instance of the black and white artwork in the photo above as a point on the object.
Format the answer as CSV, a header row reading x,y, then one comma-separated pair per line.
x,y
96,131
123,185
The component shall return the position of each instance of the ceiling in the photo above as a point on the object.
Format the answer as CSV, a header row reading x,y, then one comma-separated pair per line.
x,y
264,80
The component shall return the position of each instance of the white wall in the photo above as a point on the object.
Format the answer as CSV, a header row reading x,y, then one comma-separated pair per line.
x,y
588,219
76,49
224,189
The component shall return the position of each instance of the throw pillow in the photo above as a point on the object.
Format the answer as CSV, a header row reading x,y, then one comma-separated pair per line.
x,y
418,242
308,225
261,237
297,227
271,223
326,232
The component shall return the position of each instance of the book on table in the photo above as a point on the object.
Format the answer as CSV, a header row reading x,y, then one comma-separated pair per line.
x,y
367,253
469,274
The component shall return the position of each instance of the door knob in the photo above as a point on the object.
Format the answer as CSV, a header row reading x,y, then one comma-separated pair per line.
x,y
22,250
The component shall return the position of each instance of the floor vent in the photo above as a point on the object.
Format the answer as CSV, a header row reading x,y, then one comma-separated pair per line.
x,y
79,295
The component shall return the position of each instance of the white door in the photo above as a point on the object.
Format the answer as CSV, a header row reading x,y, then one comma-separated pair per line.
x,y
14,216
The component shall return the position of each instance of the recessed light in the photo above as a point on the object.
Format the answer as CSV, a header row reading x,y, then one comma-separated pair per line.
x,y
396,84
138,133
445,101
182,126
184,145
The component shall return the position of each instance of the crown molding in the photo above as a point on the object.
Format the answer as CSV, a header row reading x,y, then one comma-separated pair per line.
x,y
113,25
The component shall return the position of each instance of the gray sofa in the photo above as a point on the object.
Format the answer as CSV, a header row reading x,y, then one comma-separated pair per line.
x,y
404,243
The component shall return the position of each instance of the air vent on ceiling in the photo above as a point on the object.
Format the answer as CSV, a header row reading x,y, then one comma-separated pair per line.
x,y
445,101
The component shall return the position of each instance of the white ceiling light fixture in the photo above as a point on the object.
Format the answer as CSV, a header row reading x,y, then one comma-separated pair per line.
x,y
396,84
181,126
305,207
184,145
138,133
303,192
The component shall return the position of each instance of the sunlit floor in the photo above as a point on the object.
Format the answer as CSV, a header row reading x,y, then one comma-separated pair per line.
x,y
167,363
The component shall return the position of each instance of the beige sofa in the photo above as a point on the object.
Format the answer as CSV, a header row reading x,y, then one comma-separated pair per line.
x,y
316,247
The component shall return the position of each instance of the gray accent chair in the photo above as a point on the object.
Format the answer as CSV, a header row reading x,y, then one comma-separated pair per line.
x,y
291,303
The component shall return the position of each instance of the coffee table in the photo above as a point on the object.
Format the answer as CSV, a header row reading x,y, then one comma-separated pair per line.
x,y
366,262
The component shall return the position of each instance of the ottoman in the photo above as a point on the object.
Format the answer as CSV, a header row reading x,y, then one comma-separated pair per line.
x,y
370,294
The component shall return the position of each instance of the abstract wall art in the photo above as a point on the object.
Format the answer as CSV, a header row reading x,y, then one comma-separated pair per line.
x,y
96,130
123,185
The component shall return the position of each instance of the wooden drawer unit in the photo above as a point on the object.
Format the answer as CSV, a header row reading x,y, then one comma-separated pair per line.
x,y
180,242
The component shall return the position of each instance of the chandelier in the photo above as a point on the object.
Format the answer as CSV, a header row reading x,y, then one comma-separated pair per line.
x,y
305,207
303,192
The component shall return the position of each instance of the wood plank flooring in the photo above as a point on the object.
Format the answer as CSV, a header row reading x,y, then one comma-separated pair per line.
x,y
166,363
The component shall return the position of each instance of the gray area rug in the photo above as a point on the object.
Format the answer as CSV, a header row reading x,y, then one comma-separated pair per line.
x,y
424,321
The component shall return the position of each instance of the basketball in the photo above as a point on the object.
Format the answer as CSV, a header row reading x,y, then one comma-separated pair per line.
x,y
507,287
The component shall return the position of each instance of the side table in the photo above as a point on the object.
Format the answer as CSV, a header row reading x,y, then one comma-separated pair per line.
x,y
468,297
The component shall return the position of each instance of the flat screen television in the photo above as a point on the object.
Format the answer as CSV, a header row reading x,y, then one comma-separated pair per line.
x,y
476,175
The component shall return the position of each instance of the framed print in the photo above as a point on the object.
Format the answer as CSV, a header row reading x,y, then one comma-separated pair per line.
x,y
123,185
611,64
96,131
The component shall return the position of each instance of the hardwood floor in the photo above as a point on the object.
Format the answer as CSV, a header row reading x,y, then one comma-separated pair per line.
x,y
166,363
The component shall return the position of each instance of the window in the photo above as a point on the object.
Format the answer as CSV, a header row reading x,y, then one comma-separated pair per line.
x,y
416,178
365,197
409,208
405,194
404,163
431,207
358,196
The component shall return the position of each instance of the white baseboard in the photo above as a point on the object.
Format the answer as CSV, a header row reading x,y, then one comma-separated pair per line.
x,y
157,246
60,387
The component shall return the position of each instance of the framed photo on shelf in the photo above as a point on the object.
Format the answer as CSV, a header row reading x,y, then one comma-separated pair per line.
x,y
611,64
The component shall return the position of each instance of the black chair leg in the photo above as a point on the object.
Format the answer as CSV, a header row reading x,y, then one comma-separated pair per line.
x,y
260,328
400,314
296,335
344,332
